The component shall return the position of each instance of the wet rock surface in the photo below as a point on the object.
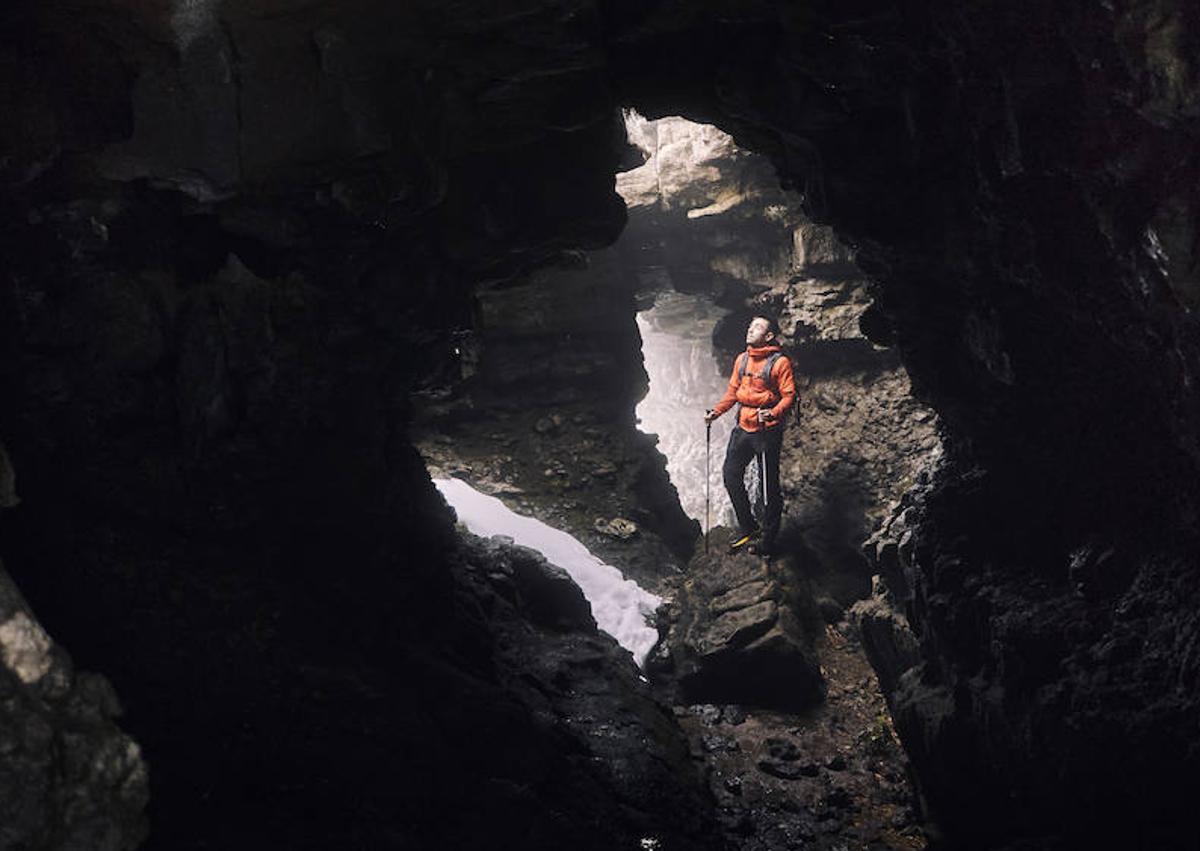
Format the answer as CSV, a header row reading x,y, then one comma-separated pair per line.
x,y
831,777
741,629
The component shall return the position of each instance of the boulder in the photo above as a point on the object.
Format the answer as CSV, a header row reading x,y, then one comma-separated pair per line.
x,y
742,631
545,593
891,645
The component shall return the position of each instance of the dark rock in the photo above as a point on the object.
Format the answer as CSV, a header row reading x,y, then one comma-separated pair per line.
x,y
739,822
831,610
8,481
839,798
743,596
781,749
744,630
548,595
735,629
719,744
890,644
782,770
733,714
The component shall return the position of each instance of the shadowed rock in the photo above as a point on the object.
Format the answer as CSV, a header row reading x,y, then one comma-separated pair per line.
x,y
742,631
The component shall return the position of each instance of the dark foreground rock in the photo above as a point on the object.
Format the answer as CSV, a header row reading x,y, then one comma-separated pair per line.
x,y
831,777
742,629
599,763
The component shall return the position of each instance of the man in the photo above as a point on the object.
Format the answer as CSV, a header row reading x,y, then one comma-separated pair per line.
x,y
763,387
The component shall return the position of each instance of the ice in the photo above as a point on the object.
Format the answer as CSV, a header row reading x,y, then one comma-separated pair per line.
x,y
621,607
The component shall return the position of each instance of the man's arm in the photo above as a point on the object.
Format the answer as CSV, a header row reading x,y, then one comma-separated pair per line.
x,y
730,397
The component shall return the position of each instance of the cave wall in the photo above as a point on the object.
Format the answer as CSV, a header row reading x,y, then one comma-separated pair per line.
x,y
1004,172
236,239
235,235
706,216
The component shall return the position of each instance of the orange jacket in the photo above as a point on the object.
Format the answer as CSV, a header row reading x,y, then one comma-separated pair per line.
x,y
753,393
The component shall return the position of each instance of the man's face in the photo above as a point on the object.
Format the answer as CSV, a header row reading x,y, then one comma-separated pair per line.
x,y
759,332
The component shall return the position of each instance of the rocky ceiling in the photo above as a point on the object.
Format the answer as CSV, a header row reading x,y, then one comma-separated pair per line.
x,y
236,234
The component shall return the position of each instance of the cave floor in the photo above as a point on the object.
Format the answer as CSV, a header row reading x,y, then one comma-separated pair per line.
x,y
833,777
571,470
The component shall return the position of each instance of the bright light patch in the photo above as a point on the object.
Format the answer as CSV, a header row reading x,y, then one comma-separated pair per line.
x,y
621,608
25,647
685,380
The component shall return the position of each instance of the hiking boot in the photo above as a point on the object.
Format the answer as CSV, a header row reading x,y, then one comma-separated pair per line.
x,y
738,541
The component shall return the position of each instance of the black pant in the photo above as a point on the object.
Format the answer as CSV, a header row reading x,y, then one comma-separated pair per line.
x,y
743,447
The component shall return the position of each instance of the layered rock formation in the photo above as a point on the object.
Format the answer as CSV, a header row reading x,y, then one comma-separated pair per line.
x,y
743,630
212,458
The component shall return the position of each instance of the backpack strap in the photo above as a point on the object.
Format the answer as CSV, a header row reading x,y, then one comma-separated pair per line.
x,y
770,365
743,361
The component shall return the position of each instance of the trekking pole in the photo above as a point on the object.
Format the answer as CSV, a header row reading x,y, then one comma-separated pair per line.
x,y
707,477
762,482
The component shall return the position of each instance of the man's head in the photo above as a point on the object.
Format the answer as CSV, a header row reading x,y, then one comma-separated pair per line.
x,y
762,330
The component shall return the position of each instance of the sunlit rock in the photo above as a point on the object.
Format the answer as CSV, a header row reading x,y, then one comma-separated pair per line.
x,y
70,778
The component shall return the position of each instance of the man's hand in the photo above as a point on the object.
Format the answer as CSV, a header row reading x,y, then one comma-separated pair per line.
x,y
764,415
709,416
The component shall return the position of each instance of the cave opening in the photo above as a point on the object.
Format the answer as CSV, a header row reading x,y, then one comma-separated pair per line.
x,y
237,236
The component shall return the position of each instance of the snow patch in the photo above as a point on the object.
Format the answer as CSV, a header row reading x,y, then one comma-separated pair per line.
x,y
619,605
